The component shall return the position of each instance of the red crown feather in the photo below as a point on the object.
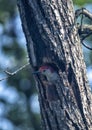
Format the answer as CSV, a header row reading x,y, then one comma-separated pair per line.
x,y
46,67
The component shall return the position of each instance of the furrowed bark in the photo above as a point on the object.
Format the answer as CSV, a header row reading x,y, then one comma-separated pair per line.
x,y
52,37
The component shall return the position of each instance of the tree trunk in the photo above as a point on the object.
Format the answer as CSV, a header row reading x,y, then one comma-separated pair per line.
x,y
52,37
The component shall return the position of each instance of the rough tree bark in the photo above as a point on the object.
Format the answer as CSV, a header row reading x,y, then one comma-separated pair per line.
x,y
52,37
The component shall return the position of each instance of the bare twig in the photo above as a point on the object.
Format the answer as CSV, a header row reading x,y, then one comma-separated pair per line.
x,y
82,19
85,29
15,72
86,46
84,12
3,78
87,35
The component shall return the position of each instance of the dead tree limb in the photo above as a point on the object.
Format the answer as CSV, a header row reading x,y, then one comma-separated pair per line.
x,y
83,11
84,30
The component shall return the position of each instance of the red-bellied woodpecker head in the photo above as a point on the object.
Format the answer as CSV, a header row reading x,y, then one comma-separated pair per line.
x,y
48,71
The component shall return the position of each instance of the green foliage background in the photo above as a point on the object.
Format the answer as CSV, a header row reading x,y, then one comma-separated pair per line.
x,y
82,2
19,109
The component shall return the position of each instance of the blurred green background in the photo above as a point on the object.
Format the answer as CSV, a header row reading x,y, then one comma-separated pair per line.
x,y
19,107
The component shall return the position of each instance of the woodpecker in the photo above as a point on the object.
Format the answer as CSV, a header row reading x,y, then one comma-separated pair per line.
x,y
50,72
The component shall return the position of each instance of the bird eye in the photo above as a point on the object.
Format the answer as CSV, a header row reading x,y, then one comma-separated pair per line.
x,y
44,70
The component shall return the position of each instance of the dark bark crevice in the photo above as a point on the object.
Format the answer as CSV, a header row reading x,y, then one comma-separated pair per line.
x,y
76,91
34,32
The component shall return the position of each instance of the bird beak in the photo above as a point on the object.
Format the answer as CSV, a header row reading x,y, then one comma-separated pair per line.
x,y
36,72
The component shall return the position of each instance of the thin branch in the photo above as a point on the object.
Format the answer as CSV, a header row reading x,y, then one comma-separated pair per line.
x,y
86,46
81,21
4,78
87,35
85,32
85,29
84,12
15,72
